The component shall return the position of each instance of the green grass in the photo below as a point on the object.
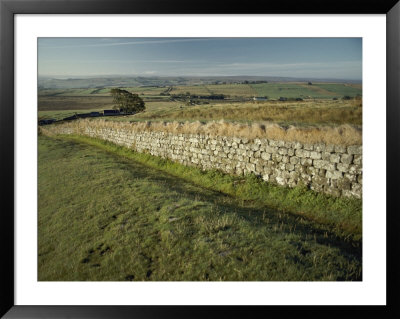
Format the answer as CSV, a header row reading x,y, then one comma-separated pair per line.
x,y
59,102
340,90
60,114
289,90
107,213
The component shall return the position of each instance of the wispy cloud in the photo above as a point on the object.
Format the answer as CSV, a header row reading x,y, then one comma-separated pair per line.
x,y
250,65
124,43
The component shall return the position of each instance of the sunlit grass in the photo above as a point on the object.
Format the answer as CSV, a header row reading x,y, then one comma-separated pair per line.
x,y
107,213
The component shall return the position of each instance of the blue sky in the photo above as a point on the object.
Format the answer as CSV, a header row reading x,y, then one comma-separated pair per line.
x,y
339,58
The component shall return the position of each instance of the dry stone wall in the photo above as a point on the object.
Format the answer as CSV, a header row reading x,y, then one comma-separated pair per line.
x,y
332,169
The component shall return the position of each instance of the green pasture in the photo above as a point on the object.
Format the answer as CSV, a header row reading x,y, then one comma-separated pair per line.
x,y
106,213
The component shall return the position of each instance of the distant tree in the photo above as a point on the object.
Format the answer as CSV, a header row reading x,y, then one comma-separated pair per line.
x,y
126,101
346,97
309,83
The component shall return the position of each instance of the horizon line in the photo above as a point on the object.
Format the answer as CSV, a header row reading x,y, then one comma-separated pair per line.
x,y
76,76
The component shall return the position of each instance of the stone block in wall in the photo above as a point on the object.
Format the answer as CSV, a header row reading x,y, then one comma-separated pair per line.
x,y
329,148
356,189
359,179
302,153
280,180
306,162
344,184
315,155
294,160
335,158
324,164
250,153
255,147
282,151
299,168
226,149
259,169
357,159
251,167
285,159
276,158
255,160
311,170
326,156
229,168
340,149
289,167
354,150
322,172
276,143
334,174
280,166
319,147
342,167
308,147
346,158
267,170
271,149
318,183
297,145
288,144
305,178
317,187
355,169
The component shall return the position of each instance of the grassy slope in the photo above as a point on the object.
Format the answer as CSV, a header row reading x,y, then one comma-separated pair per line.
x,y
318,112
105,216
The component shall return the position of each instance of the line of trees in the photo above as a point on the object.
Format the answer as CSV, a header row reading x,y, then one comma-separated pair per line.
x,y
126,101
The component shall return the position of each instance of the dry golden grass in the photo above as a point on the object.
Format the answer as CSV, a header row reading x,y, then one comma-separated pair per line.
x,y
340,135
320,112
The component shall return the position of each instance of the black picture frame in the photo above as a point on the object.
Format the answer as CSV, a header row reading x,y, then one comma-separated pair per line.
x,y
8,8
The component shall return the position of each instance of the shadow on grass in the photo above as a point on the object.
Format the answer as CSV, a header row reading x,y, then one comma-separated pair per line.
x,y
257,215
252,212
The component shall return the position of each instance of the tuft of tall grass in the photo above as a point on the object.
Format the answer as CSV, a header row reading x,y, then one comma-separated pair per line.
x,y
314,112
340,135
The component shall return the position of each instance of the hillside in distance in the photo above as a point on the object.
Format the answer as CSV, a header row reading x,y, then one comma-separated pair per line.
x,y
139,81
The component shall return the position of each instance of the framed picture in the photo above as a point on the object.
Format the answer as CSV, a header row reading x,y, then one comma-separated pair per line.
x,y
35,62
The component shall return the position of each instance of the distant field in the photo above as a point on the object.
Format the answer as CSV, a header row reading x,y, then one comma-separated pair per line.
x,y
61,114
233,90
340,89
273,90
194,89
53,103
318,107
108,214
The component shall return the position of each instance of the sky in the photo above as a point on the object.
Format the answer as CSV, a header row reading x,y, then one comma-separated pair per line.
x,y
335,58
